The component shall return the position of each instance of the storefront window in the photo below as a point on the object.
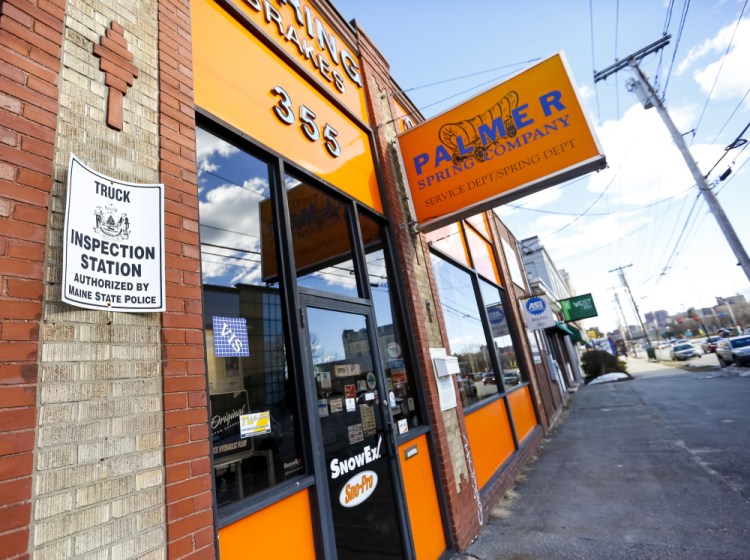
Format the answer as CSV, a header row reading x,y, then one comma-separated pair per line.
x,y
465,332
254,422
506,353
400,384
321,240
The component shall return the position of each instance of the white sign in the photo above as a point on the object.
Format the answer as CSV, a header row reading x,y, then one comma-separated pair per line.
x,y
537,312
113,250
358,488
446,389
512,259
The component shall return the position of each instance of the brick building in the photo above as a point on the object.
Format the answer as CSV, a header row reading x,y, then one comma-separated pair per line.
x,y
287,401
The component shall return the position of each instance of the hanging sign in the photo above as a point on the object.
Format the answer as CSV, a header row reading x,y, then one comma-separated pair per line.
x,y
578,307
113,246
537,312
523,135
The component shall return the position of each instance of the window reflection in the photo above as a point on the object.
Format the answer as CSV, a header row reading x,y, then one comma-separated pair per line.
x,y
321,240
465,332
400,384
248,375
498,320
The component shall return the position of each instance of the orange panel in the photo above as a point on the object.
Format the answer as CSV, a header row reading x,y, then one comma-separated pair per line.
x,y
421,499
490,439
522,411
265,534
333,63
236,78
482,255
450,240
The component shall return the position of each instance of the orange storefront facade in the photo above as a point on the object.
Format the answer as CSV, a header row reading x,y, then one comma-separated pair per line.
x,y
326,381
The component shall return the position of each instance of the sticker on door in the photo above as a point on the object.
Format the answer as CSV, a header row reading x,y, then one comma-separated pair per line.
x,y
358,488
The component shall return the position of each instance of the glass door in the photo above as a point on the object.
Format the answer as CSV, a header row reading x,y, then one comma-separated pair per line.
x,y
356,429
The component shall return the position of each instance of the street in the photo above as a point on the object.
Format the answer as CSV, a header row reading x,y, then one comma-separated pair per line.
x,y
654,468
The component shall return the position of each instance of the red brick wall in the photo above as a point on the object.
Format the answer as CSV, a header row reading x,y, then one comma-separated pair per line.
x,y
30,50
414,257
190,521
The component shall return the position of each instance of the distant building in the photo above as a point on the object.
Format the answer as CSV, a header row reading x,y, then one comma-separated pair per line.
x,y
658,318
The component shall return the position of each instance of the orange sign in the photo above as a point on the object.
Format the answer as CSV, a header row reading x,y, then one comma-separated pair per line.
x,y
320,232
521,136
303,33
241,81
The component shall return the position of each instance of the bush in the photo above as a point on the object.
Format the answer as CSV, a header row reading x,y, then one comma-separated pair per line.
x,y
599,362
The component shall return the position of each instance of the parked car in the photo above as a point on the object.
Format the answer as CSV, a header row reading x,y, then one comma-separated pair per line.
x,y
709,345
734,350
511,377
683,351
488,377
466,387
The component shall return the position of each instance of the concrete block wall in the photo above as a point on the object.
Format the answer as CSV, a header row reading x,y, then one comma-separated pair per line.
x,y
465,508
99,472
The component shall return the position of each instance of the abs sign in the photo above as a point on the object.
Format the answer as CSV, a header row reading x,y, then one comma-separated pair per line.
x,y
358,488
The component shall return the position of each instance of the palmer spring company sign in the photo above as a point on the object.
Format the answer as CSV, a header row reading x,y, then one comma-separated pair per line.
x,y
113,249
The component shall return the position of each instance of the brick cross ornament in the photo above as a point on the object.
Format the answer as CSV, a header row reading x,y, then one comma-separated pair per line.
x,y
116,62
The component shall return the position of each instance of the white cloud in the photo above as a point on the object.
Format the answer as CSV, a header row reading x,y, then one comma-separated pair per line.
x,y
586,93
734,79
231,207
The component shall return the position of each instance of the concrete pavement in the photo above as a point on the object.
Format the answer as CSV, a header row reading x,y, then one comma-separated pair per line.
x,y
654,468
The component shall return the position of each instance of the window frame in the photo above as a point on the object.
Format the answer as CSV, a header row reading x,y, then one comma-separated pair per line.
x,y
489,340
314,474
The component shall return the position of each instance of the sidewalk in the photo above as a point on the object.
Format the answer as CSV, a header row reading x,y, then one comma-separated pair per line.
x,y
654,468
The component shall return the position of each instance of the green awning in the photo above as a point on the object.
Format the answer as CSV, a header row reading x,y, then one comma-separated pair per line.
x,y
576,336
569,330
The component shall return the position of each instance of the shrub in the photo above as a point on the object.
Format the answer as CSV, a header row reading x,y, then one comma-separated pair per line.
x,y
599,362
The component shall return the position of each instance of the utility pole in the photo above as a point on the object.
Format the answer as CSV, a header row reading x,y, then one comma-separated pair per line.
x,y
731,313
642,88
625,330
632,299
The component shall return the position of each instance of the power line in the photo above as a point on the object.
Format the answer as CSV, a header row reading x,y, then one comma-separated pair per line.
x,y
667,21
721,66
471,75
593,58
683,17
680,236
627,211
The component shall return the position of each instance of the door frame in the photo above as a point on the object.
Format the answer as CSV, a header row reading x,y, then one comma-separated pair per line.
x,y
310,298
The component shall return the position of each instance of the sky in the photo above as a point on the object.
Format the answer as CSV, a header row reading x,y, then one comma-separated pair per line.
x,y
643,212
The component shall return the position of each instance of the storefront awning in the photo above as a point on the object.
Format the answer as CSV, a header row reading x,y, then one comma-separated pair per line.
x,y
569,330
576,336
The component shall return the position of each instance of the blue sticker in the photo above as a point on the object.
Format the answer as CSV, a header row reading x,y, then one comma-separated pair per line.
x,y
230,337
